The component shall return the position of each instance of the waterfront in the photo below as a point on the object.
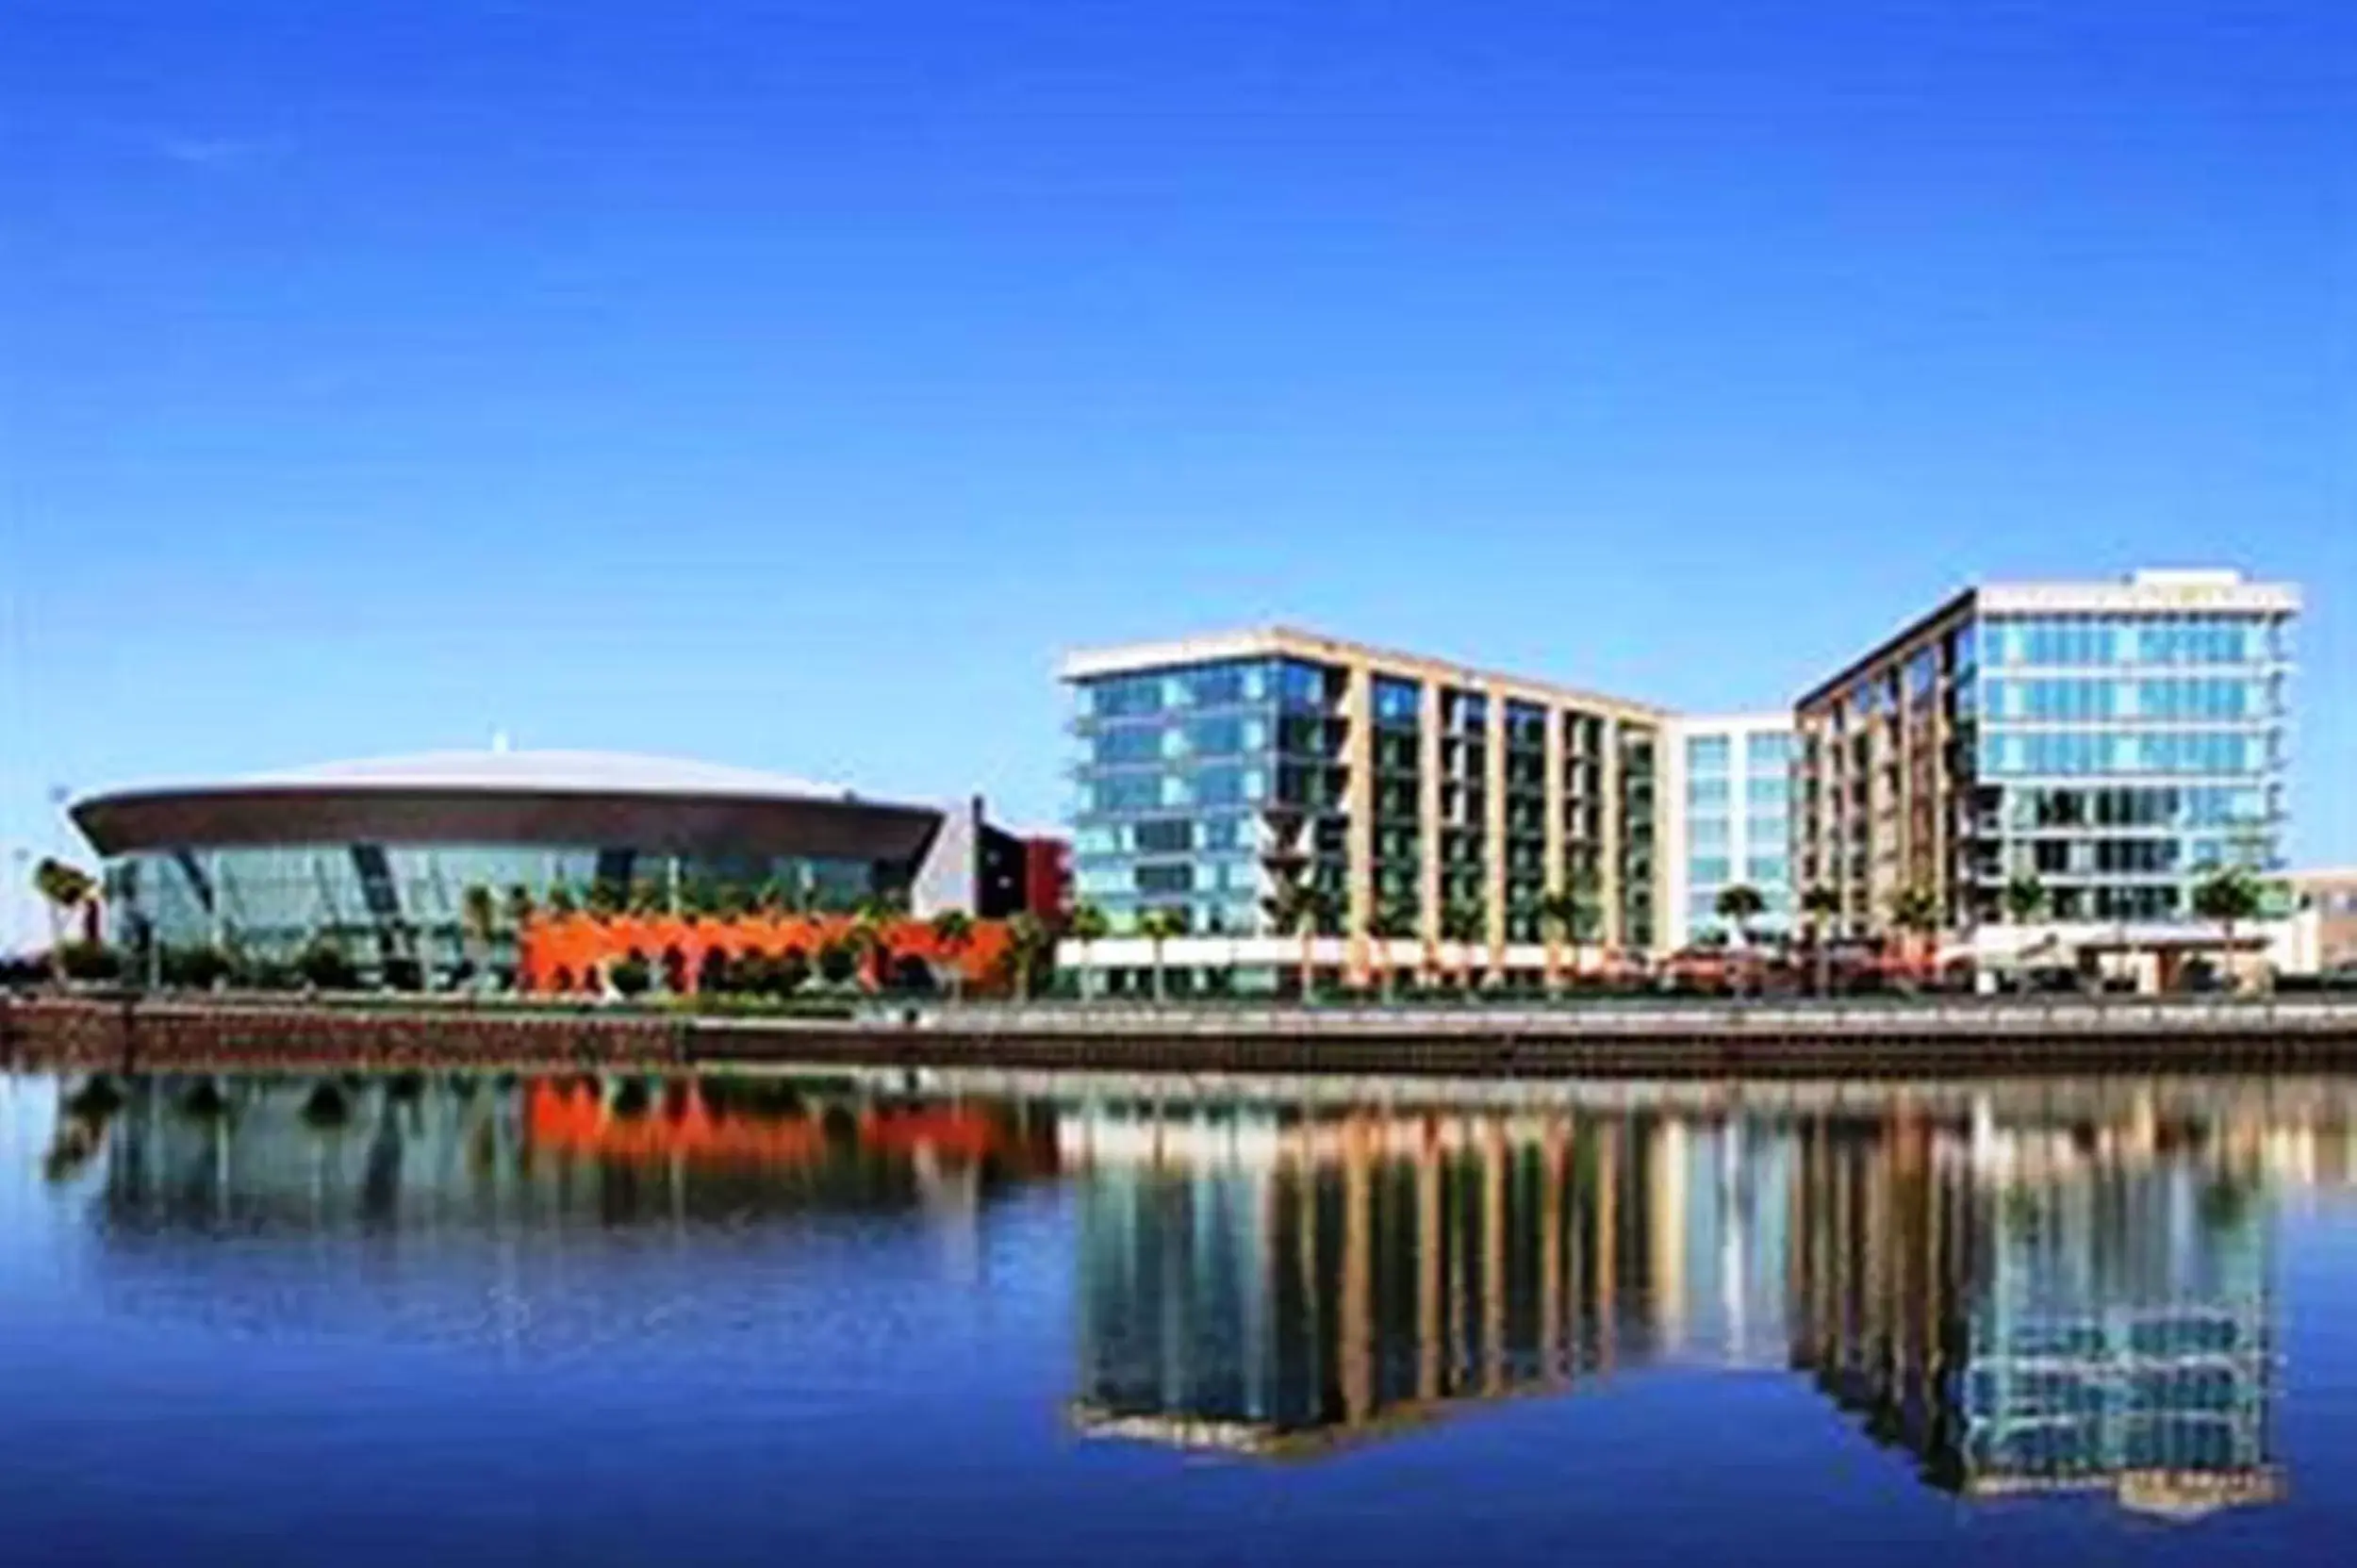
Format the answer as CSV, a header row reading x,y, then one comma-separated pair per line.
x,y
1007,1316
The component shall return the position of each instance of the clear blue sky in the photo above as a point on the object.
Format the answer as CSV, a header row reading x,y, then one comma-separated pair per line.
x,y
786,384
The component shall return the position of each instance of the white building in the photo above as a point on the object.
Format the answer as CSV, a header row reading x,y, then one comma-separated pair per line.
x,y
1726,788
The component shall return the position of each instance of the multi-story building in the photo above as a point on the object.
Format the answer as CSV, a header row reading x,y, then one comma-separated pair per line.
x,y
1728,785
1432,809
2116,741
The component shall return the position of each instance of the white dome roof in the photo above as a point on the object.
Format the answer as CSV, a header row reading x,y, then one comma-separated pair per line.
x,y
578,772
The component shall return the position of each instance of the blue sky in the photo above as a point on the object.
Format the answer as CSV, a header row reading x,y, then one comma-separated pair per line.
x,y
786,384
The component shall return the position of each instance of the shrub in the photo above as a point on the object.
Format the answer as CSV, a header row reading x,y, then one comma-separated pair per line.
x,y
838,962
324,965
632,976
89,961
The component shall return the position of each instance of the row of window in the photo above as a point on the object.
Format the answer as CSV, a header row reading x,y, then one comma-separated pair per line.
x,y
1289,682
2064,699
1765,752
1216,785
2136,807
2133,639
1761,870
2012,753
1770,790
1716,832
1162,836
1202,876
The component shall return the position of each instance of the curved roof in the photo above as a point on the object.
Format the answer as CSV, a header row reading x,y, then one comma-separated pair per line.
x,y
572,799
587,772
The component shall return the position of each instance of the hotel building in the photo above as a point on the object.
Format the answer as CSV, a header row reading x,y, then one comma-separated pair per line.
x,y
2116,741
1432,807
1728,783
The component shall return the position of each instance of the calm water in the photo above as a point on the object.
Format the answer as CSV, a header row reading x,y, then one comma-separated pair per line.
x,y
559,1321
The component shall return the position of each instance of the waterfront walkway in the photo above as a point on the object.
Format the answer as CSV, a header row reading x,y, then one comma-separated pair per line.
x,y
1881,1038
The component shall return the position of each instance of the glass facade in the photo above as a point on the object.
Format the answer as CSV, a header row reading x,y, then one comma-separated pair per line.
x,y
2119,757
384,902
1738,827
1190,779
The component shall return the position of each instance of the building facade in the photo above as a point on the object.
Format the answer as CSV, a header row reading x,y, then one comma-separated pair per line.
x,y
1431,810
376,858
2116,742
1728,785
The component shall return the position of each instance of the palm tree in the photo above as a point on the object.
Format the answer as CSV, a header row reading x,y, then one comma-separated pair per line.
x,y
1460,923
1394,918
868,940
1301,909
1916,908
1158,925
1028,938
2229,897
2025,899
1740,905
1559,913
952,931
478,919
561,899
1819,904
1087,925
65,889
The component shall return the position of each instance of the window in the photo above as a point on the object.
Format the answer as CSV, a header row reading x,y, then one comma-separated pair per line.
x,y
1397,701
1165,879
1171,835
1707,870
1707,754
1128,744
1774,789
1764,871
1708,833
1703,793
1770,753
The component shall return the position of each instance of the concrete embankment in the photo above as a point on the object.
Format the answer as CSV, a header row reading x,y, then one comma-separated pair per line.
x,y
1849,1039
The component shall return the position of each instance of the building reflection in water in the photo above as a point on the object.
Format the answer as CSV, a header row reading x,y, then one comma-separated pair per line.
x,y
2073,1292
2022,1311
546,1153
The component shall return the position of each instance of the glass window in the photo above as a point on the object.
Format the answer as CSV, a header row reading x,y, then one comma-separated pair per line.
x,y
1770,753
1707,754
1172,836
1767,868
1708,833
1773,789
1397,701
1707,870
1704,793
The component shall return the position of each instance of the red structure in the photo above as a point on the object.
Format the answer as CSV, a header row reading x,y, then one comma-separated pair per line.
x,y
1047,877
560,953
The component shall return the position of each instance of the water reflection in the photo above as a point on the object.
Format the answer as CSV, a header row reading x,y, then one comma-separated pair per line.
x,y
2072,1292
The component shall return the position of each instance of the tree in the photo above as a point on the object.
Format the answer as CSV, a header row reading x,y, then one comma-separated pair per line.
x,y
871,945
64,889
561,899
1559,916
2025,899
478,919
1088,926
324,966
1029,939
1461,923
1395,918
1301,909
715,972
1158,925
1916,910
2229,897
1740,905
953,932
632,974
1819,904
838,960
